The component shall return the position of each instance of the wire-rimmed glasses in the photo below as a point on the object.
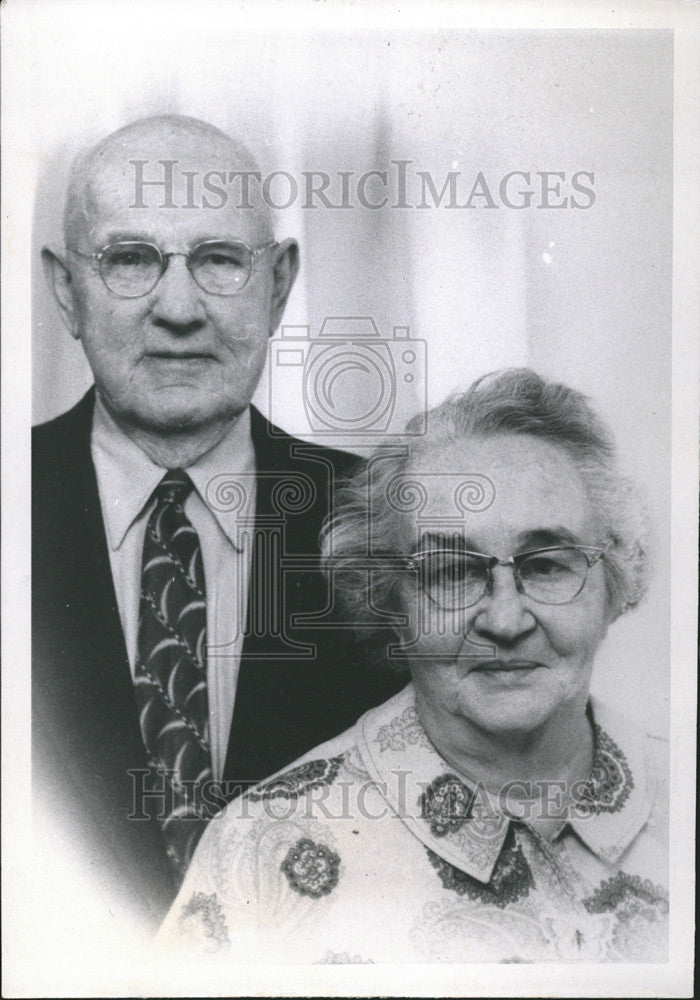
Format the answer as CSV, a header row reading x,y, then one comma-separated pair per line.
x,y
455,578
132,268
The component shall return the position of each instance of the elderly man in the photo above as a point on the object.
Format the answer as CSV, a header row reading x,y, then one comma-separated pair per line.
x,y
167,675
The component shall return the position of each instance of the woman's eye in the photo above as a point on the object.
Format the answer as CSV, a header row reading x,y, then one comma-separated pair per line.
x,y
455,572
461,570
542,566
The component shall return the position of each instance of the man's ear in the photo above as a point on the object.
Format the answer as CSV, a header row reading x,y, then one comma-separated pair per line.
x,y
285,270
61,284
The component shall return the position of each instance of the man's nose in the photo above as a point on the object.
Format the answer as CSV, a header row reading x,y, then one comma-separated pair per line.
x,y
504,614
178,301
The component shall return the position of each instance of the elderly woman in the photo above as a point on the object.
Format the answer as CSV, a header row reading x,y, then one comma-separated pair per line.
x,y
493,810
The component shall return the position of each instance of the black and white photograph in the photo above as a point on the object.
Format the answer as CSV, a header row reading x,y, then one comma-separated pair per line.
x,y
350,414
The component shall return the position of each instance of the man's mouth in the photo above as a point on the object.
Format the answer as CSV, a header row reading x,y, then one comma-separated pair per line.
x,y
179,355
506,666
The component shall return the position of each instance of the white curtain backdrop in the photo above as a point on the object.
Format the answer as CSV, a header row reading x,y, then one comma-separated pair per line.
x,y
581,295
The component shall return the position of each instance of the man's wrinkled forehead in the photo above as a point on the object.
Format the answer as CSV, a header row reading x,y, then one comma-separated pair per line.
x,y
124,181
168,177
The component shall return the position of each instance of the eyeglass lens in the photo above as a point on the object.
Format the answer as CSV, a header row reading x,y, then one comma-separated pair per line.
x,y
133,269
457,580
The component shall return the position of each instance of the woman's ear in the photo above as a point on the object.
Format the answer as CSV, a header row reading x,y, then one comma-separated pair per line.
x,y
61,284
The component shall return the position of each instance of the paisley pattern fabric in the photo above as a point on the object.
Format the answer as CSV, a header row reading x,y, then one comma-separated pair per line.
x,y
511,879
344,958
611,780
622,889
446,804
202,917
292,783
403,731
372,849
640,912
311,869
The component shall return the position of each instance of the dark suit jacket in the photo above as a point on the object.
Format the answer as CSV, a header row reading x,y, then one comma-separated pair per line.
x,y
86,735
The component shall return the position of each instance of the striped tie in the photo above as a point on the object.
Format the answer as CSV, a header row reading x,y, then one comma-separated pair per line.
x,y
170,675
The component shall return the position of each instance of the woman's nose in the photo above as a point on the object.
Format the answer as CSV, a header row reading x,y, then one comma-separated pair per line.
x,y
504,613
177,298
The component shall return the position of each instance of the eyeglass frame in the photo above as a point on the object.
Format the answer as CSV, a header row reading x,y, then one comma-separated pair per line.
x,y
253,251
593,554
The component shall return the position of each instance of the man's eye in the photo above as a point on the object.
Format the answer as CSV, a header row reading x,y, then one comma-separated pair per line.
x,y
221,260
130,258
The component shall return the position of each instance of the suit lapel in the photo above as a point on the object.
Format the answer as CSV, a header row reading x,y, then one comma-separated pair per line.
x,y
84,705
100,677
279,672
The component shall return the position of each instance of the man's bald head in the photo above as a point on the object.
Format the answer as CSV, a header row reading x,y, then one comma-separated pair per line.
x,y
108,167
175,358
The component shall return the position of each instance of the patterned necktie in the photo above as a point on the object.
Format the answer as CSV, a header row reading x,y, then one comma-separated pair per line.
x,y
170,676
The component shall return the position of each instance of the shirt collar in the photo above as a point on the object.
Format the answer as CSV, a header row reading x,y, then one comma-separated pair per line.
x,y
616,801
463,824
127,477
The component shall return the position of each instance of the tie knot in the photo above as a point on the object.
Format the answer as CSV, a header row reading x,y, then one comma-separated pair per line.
x,y
174,487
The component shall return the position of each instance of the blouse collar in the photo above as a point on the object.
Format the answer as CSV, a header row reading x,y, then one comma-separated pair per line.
x,y
463,824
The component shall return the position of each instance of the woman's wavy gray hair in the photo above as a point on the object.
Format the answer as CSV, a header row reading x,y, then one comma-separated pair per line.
x,y
513,401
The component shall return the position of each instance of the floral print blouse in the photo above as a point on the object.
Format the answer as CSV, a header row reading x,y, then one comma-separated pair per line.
x,y
371,849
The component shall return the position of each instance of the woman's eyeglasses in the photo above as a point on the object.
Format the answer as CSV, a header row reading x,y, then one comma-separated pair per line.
x,y
455,579
131,269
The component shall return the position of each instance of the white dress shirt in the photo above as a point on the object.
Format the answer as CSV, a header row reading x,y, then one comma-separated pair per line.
x,y
126,479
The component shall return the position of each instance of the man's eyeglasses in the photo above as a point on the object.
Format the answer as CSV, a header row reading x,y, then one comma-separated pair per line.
x,y
131,269
455,579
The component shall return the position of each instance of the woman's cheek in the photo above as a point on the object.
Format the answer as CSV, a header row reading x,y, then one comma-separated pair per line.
x,y
576,635
438,635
